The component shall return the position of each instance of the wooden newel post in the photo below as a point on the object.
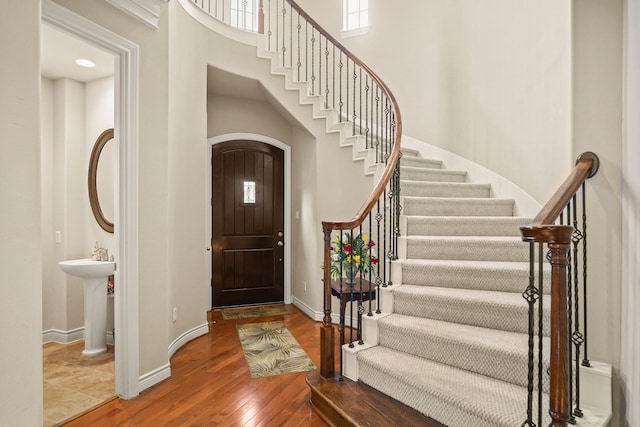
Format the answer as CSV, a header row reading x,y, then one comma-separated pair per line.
x,y
558,237
559,357
327,333
260,17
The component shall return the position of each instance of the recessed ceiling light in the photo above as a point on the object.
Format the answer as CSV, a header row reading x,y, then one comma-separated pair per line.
x,y
85,63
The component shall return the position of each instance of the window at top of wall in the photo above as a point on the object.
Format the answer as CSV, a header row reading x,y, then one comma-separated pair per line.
x,y
244,14
356,17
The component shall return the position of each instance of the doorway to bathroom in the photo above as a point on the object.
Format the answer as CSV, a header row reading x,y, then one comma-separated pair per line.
x,y
124,55
247,206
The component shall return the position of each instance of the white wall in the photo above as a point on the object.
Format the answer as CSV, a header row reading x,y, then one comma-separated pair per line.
x,y
596,121
489,81
20,225
630,352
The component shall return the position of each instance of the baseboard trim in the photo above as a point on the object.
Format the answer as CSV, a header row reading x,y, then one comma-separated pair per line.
x,y
154,377
318,315
186,337
62,337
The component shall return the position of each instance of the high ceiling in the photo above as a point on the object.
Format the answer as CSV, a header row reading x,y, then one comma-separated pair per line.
x,y
58,52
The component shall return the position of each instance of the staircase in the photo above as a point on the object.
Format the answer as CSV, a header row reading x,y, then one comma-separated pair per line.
x,y
452,338
455,344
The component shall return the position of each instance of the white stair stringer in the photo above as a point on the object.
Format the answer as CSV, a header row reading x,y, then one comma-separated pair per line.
x,y
452,339
349,133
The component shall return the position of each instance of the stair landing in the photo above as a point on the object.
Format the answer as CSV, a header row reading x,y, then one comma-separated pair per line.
x,y
350,403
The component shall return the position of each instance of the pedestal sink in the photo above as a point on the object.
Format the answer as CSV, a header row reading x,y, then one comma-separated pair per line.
x,y
95,274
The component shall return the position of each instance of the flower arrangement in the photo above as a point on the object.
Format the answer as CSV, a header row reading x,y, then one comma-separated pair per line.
x,y
351,254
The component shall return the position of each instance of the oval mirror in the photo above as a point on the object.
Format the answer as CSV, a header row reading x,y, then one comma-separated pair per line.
x,y
94,160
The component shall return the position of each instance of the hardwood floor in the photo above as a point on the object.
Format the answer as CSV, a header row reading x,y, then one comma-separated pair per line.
x,y
211,385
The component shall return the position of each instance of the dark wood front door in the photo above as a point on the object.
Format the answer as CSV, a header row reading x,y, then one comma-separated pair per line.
x,y
248,223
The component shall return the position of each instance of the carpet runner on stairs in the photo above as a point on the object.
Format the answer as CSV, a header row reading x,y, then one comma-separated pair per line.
x,y
455,346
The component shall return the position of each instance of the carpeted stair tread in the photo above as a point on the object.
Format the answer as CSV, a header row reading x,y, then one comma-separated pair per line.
x,y
478,248
432,174
464,225
459,206
455,397
444,189
504,311
500,276
497,354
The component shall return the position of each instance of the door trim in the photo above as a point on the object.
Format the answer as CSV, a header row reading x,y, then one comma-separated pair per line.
x,y
125,52
287,201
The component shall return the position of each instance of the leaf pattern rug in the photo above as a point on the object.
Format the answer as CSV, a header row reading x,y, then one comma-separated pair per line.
x,y
254,311
270,349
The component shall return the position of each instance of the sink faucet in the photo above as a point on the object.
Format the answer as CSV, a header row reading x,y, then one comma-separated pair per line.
x,y
100,254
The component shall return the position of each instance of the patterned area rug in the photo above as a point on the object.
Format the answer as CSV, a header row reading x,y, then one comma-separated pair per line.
x,y
270,350
254,311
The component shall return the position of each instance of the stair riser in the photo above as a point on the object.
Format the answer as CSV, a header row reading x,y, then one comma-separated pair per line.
x,y
417,206
427,189
511,318
432,175
463,278
467,250
419,162
460,226
491,362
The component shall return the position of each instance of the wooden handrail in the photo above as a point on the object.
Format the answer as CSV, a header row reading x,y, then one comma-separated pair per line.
x,y
558,238
327,336
587,165
368,205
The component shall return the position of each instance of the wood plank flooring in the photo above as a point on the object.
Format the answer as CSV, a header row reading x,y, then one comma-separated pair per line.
x,y
211,385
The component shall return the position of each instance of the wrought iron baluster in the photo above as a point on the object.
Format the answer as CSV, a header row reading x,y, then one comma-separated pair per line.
x,y
299,64
360,106
284,27
277,24
351,299
269,33
333,78
378,127
531,295
319,64
291,35
384,238
570,274
540,329
326,71
576,337
366,111
306,54
371,264
378,278
347,85
355,81
313,70
585,360
340,85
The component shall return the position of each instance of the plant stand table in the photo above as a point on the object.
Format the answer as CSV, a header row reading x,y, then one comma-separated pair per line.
x,y
362,290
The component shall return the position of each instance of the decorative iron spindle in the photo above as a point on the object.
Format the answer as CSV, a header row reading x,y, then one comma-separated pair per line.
x,y
326,71
366,112
269,33
320,65
576,336
299,63
340,85
585,361
540,329
313,58
354,116
531,295
570,275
